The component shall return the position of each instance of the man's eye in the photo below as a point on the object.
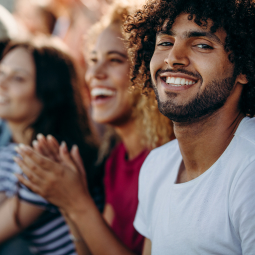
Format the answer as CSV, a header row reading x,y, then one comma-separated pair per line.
x,y
165,44
204,46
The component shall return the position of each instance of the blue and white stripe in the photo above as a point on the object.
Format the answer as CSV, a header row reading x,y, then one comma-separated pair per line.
x,y
49,234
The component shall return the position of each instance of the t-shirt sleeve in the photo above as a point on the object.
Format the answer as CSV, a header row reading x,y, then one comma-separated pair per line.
x,y
28,196
141,223
9,182
242,209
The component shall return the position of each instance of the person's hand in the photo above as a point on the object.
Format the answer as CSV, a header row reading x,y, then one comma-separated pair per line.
x,y
47,146
64,185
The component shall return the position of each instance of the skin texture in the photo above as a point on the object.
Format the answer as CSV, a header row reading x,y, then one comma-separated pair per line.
x,y
201,59
19,106
204,140
109,68
201,142
53,174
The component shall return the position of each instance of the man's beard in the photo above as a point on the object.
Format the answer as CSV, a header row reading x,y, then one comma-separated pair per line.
x,y
204,104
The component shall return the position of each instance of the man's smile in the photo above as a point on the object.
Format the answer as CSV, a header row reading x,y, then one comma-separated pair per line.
x,y
176,81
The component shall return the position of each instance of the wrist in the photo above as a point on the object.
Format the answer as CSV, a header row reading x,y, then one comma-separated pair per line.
x,y
80,208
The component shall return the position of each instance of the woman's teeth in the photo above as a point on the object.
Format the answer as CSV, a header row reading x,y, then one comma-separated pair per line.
x,y
95,92
179,81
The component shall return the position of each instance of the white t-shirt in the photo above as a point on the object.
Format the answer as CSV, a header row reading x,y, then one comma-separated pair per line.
x,y
212,214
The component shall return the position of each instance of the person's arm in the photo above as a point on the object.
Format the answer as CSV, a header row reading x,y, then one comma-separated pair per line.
x,y
2,197
147,247
66,187
11,211
108,214
80,245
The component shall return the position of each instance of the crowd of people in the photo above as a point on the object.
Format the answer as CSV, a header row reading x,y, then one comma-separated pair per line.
x,y
126,127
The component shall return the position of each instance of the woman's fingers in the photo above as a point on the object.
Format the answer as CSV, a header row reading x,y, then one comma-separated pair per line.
x,y
37,147
28,184
33,159
75,154
47,146
66,157
52,141
30,170
53,146
43,146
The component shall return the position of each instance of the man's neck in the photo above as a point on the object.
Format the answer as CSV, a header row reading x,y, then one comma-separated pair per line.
x,y
202,143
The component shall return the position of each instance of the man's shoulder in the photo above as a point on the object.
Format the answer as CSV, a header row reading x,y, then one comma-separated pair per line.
x,y
164,151
161,158
166,147
246,130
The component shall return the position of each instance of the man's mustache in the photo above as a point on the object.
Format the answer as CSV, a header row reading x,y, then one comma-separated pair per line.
x,y
180,70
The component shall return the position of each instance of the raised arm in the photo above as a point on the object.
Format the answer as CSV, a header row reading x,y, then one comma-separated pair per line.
x,y
65,186
15,216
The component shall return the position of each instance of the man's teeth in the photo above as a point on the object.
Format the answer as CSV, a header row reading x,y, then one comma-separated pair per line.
x,y
102,92
179,81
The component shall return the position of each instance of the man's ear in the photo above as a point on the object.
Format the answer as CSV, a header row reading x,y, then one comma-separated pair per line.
x,y
242,79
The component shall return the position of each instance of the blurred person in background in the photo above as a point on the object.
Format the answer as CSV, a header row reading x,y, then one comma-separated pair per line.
x,y
74,19
34,17
140,128
8,30
39,95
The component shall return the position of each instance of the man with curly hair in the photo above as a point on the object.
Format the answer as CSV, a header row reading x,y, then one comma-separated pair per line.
x,y
196,194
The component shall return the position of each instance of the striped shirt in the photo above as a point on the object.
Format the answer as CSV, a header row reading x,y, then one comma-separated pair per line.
x,y
49,234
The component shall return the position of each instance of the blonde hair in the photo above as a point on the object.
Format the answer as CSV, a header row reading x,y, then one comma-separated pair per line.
x,y
154,128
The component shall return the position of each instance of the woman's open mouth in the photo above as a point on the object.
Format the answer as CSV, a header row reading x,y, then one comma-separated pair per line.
x,y
101,95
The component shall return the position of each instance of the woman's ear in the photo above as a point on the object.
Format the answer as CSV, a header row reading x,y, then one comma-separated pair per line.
x,y
242,79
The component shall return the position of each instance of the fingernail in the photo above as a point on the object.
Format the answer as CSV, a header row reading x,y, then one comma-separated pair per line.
x,y
64,146
22,146
16,159
75,147
17,149
49,136
40,136
35,143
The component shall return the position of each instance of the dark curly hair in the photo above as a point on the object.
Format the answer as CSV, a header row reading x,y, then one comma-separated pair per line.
x,y
236,17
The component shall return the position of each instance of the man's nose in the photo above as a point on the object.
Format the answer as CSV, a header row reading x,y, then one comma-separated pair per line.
x,y
177,56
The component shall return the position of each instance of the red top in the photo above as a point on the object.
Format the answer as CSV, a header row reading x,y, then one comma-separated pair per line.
x,y
121,190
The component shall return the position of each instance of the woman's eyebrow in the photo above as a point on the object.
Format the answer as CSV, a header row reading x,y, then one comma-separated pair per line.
x,y
117,52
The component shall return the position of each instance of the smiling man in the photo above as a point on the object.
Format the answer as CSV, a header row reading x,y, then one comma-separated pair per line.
x,y
196,194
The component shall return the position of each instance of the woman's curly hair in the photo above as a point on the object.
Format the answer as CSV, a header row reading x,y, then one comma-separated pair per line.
x,y
236,17
155,129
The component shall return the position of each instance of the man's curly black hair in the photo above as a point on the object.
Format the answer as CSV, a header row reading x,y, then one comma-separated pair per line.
x,y
236,17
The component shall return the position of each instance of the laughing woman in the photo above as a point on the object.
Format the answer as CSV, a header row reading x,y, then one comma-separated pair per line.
x,y
38,94
140,127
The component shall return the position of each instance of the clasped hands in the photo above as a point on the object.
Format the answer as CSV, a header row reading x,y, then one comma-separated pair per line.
x,y
52,171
